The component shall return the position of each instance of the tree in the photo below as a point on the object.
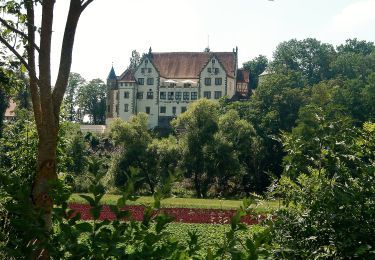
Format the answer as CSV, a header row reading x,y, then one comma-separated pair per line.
x,y
255,67
134,60
309,57
355,46
4,97
92,100
163,157
77,155
328,190
20,26
132,138
75,82
196,128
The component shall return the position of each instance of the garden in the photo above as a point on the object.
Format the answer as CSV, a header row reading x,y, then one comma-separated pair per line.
x,y
287,174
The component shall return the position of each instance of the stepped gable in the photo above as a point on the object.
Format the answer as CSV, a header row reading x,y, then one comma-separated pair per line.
x,y
185,65
127,76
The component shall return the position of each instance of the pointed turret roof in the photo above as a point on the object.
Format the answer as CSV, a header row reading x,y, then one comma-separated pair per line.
x,y
112,74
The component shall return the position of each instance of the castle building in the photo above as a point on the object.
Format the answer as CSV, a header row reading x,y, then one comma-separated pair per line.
x,y
164,84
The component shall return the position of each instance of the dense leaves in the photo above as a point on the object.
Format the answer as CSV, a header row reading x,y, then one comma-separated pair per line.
x,y
308,130
92,101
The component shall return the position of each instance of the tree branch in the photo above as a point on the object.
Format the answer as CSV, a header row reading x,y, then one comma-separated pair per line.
x,y
84,5
15,30
45,89
75,11
35,97
22,60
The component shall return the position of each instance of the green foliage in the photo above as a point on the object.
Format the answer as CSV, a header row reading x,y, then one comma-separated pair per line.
x,y
132,138
19,221
309,57
330,200
255,67
92,100
356,46
134,60
76,152
216,150
76,81
9,86
118,238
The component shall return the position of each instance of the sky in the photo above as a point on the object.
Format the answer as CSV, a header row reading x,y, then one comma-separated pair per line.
x,y
109,30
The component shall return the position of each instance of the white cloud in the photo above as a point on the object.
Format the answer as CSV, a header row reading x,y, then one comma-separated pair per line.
x,y
355,15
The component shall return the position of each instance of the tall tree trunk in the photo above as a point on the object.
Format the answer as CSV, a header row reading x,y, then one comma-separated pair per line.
x,y
46,174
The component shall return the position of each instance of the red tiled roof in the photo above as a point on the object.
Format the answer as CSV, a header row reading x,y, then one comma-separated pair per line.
x,y
184,65
127,75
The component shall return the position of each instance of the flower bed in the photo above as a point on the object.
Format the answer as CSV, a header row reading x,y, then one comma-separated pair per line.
x,y
184,215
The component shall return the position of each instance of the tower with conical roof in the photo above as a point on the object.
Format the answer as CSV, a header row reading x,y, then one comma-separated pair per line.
x,y
112,95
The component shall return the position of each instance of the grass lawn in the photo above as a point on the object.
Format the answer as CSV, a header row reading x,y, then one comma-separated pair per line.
x,y
209,234
110,199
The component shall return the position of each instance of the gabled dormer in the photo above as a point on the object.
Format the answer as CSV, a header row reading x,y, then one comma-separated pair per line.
x,y
146,73
213,78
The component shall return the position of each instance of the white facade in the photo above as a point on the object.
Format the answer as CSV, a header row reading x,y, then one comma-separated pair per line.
x,y
165,84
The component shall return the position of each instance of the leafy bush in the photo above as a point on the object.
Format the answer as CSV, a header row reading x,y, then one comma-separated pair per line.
x,y
330,209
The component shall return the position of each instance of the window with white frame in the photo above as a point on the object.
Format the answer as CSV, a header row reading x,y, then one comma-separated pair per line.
x,y
186,95
150,95
178,95
207,81
218,81
170,95
150,81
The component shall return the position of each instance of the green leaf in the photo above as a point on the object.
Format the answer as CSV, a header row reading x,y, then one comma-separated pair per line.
x,y
95,211
84,227
89,199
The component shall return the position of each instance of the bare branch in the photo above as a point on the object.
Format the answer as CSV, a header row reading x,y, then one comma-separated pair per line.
x,y
15,30
35,97
84,5
66,53
45,89
75,10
